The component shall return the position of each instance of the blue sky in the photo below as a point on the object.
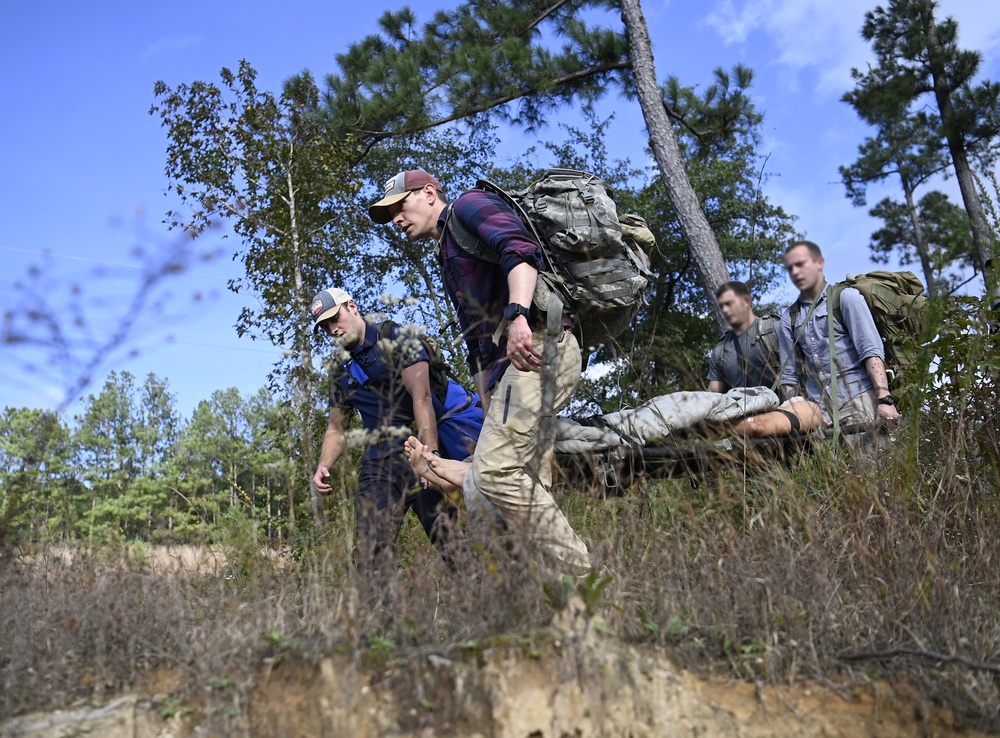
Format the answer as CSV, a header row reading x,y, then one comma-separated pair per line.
x,y
84,178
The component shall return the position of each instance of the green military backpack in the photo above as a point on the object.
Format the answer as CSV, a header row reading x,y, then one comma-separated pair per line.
x,y
600,268
897,305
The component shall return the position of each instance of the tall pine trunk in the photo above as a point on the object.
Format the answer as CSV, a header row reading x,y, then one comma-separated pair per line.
x,y
663,141
982,241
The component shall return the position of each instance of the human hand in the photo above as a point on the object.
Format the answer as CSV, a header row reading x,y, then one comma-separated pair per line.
x,y
520,346
887,414
321,480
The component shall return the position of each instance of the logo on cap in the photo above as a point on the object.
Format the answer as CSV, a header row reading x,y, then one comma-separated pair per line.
x,y
317,307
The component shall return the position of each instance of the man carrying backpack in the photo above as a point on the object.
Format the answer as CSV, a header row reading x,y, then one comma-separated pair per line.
x,y
748,354
842,363
492,292
389,383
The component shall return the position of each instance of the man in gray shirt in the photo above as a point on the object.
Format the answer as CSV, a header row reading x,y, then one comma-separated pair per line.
x,y
859,394
747,355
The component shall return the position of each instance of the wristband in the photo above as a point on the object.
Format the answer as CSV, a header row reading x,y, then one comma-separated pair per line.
x,y
515,309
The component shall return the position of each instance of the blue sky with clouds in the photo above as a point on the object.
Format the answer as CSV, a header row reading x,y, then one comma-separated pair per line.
x,y
84,179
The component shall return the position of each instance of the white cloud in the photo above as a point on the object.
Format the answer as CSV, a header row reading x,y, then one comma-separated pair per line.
x,y
735,24
170,45
824,37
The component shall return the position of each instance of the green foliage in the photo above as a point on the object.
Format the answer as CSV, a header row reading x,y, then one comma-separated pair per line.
x,y
266,165
922,97
37,486
378,644
130,469
906,146
279,641
591,589
944,242
478,57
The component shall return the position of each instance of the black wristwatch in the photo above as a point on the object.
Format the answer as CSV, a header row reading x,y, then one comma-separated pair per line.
x,y
887,400
513,310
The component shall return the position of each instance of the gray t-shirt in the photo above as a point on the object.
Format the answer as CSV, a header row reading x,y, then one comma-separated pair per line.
x,y
750,359
856,341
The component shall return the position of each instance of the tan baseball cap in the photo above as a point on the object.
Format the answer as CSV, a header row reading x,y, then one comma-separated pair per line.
x,y
397,188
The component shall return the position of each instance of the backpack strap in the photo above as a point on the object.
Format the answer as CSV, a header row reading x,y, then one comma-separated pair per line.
x,y
468,241
833,297
439,371
719,349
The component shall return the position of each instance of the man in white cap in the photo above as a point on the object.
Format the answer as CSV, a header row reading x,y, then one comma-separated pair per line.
x,y
492,292
388,383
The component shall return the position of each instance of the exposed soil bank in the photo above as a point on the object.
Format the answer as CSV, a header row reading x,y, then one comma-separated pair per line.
x,y
571,680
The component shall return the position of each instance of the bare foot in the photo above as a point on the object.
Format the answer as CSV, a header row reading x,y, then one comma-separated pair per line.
x,y
420,459
449,471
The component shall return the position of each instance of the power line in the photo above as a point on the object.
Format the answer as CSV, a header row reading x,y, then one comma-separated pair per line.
x,y
104,262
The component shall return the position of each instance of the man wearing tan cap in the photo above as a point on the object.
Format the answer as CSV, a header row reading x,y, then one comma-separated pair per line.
x,y
387,382
492,292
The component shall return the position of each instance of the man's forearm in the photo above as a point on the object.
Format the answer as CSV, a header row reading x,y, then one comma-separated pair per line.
x,y
416,377
521,284
426,422
876,372
332,448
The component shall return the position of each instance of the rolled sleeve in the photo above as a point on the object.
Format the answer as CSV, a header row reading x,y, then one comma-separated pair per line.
x,y
500,229
860,325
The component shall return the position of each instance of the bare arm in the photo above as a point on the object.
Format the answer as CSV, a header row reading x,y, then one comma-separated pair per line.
x,y
417,382
333,447
876,372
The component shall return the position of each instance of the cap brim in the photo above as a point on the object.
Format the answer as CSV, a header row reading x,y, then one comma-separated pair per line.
x,y
324,316
379,212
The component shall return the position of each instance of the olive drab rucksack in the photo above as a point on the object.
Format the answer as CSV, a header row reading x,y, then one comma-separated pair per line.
x,y
897,305
598,258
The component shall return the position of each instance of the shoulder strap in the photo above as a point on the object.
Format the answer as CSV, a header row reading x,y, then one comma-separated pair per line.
x,y
833,296
720,348
468,241
828,290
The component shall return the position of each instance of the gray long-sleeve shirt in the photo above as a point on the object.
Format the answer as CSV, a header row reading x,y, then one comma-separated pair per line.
x,y
856,341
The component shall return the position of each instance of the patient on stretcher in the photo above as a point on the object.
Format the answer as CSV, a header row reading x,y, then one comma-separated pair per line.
x,y
746,412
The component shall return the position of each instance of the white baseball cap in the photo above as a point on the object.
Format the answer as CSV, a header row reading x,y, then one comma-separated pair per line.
x,y
327,303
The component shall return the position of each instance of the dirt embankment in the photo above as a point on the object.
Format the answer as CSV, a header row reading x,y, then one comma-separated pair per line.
x,y
571,680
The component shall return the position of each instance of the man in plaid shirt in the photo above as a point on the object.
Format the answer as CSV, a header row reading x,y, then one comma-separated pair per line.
x,y
493,294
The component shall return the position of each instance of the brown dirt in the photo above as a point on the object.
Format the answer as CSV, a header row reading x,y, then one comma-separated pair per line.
x,y
572,680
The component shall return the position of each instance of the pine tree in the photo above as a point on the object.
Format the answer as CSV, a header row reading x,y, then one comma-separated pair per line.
x,y
493,61
918,62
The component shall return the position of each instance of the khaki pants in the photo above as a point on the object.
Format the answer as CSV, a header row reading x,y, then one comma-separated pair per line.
x,y
502,468
859,410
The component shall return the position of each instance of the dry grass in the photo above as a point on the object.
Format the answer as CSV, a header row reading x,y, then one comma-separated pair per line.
x,y
841,568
